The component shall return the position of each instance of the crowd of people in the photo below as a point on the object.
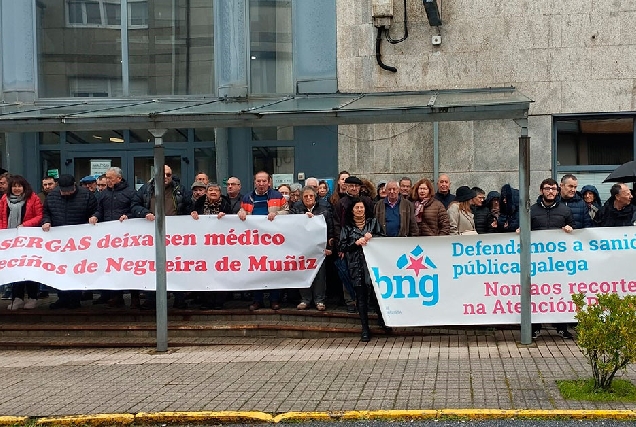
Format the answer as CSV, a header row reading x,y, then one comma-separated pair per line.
x,y
355,211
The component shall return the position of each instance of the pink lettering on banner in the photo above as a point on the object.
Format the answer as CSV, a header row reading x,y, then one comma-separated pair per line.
x,y
55,245
125,241
246,238
290,263
143,266
32,261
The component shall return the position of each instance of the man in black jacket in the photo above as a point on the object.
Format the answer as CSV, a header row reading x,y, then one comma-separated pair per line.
x,y
68,204
548,214
115,204
618,211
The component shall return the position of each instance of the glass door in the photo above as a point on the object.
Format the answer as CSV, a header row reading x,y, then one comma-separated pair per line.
x,y
143,167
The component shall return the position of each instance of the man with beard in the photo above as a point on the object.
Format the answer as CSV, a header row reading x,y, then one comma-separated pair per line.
x,y
175,202
547,214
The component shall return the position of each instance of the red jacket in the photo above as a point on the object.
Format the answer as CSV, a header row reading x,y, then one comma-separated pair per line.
x,y
31,212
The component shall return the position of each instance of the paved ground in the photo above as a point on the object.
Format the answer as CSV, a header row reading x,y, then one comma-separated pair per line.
x,y
473,369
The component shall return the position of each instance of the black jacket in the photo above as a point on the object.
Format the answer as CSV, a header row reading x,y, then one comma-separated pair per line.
x,y
141,205
446,199
550,217
115,202
69,210
609,216
579,210
339,213
508,220
354,255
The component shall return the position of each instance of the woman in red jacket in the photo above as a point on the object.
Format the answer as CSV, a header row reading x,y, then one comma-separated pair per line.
x,y
21,207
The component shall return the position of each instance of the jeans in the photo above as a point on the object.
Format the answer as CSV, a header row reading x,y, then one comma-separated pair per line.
x,y
318,288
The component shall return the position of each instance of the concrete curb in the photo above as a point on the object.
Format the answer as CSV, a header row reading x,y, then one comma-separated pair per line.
x,y
227,417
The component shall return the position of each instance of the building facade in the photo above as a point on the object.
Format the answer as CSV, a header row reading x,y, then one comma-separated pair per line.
x,y
575,58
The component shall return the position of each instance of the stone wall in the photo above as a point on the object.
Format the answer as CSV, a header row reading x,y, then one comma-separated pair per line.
x,y
569,56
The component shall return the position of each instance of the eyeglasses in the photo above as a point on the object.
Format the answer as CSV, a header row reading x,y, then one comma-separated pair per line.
x,y
552,189
233,183
167,174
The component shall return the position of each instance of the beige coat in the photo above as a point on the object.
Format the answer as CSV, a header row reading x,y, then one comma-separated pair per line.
x,y
460,222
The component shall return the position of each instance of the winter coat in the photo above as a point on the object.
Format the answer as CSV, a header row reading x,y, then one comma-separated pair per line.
x,y
508,220
141,203
460,221
482,214
492,217
433,218
358,271
579,210
592,210
445,199
31,212
199,205
338,213
609,216
73,209
320,208
550,217
114,202
408,225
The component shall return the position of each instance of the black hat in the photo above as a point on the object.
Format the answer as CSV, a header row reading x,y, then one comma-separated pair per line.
x,y
66,183
464,194
353,180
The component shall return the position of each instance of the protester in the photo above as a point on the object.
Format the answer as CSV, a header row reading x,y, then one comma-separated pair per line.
x,y
460,215
21,207
359,228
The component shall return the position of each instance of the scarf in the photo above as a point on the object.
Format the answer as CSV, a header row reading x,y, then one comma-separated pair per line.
x,y
211,208
15,204
359,222
419,208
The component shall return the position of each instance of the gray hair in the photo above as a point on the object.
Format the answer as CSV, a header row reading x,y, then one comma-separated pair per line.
x,y
309,188
313,180
213,184
295,187
117,171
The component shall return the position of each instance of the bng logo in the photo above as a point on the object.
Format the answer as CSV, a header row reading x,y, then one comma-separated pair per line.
x,y
417,283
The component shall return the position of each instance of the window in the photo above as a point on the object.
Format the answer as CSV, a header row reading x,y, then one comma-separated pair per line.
x,y
106,13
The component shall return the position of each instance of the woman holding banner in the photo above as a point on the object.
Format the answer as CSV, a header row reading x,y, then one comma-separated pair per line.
x,y
359,228
21,207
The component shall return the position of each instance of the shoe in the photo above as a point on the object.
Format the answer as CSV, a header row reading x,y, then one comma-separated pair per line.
x,y
387,329
275,305
255,306
100,300
536,334
117,302
351,308
320,306
43,294
365,336
6,295
302,306
16,304
565,334
31,304
57,305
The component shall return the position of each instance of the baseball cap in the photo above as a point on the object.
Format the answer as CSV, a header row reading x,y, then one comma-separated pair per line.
x,y
66,182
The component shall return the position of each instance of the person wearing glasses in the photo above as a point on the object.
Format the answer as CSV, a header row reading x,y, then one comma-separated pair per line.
x,y
548,214
175,203
234,193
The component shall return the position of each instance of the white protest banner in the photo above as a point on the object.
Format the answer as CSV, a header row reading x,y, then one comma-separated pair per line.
x,y
462,280
205,254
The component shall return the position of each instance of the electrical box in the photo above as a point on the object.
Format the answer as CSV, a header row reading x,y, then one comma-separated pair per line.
x,y
382,11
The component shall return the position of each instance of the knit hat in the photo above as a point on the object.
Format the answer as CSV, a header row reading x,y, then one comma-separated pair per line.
x,y
353,180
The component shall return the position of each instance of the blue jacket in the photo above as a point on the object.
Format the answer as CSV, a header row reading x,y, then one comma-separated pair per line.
x,y
579,210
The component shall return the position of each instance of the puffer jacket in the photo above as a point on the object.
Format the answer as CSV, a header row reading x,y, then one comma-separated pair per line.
x,y
551,217
609,216
432,218
596,205
354,255
31,212
74,209
508,220
199,205
141,204
115,202
579,210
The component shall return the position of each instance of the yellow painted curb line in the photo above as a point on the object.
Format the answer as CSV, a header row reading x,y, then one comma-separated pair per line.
x,y
207,416
92,420
8,421
287,417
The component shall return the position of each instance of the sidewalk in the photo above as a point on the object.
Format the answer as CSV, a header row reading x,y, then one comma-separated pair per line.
x,y
476,369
